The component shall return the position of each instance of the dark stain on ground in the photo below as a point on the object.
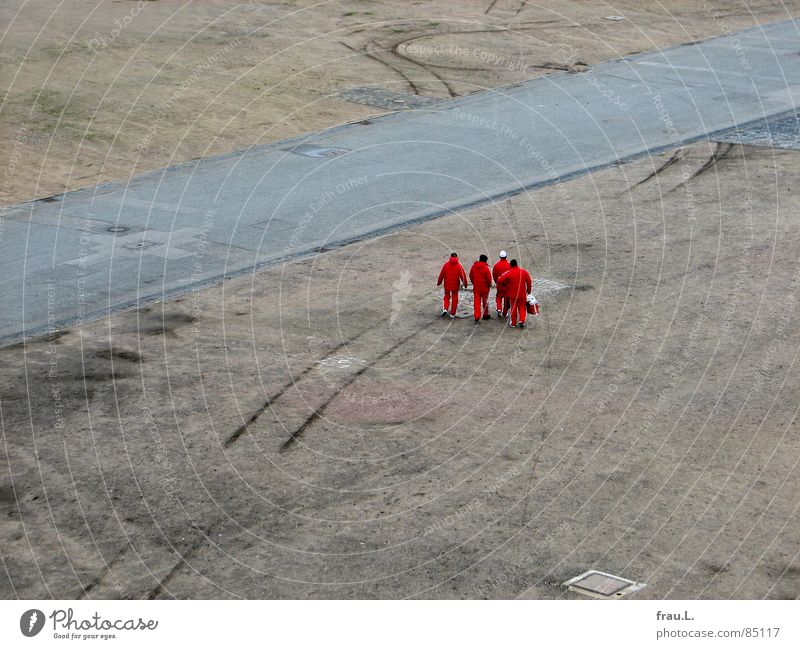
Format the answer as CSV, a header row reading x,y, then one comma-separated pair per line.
x,y
783,577
15,346
101,377
559,247
121,354
40,389
156,324
583,287
7,495
178,318
716,568
52,337
95,368
158,330
792,571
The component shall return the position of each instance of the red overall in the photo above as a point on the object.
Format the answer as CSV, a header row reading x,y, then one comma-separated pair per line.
x,y
516,285
481,278
453,275
500,300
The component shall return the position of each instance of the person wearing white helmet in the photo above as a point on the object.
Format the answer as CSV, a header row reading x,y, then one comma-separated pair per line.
x,y
502,303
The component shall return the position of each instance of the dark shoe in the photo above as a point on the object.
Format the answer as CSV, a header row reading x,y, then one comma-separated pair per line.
x,y
521,325
444,314
487,317
477,320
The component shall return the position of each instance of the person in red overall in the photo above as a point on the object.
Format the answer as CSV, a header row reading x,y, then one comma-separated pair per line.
x,y
500,300
453,275
481,277
516,285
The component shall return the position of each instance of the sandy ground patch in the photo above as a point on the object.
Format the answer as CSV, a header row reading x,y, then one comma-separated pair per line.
x,y
317,431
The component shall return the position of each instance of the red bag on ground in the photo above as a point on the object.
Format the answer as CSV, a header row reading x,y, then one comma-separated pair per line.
x,y
533,305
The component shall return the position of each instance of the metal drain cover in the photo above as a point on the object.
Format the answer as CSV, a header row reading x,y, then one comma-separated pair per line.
x,y
314,151
602,585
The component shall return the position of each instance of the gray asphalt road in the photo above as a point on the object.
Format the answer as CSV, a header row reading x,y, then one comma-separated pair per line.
x,y
83,254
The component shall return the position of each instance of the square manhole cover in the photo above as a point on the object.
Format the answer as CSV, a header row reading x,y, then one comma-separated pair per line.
x,y
316,151
602,585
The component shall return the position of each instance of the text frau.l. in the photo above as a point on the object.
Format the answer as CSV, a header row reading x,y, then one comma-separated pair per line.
x,y
64,619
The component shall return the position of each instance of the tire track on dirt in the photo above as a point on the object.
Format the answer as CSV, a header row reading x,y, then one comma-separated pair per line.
x,y
254,417
395,50
318,411
85,590
515,10
719,154
158,589
239,432
676,157
372,56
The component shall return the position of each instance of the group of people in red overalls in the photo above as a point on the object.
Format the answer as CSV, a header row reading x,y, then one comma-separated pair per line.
x,y
513,284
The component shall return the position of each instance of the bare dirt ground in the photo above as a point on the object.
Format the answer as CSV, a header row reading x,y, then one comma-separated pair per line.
x,y
315,430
